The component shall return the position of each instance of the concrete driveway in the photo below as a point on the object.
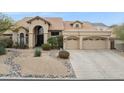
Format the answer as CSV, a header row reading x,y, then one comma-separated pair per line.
x,y
97,64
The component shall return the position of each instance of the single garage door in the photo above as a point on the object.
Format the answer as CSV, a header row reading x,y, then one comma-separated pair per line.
x,y
72,44
94,44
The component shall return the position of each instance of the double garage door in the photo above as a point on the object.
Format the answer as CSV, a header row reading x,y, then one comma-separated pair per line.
x,y
87,44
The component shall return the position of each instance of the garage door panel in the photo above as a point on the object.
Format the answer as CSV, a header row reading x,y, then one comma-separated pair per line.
x,y
94,44
72,44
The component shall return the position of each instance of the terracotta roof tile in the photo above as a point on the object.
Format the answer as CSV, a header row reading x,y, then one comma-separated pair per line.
x,y
56,23
84,26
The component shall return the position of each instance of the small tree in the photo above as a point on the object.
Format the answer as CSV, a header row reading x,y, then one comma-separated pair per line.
x,y
53,42
5,22
56,42
119,31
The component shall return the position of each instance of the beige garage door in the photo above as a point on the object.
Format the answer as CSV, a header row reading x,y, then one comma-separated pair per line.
x,y
94,44
72,44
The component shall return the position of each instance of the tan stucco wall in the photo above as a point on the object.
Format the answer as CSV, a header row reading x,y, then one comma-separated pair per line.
x,y
14,38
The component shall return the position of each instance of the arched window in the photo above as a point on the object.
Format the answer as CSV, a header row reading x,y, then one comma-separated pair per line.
x,y
21,39
77,25
21,35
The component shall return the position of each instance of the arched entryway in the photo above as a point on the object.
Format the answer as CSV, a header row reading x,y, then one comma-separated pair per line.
x,y
39,37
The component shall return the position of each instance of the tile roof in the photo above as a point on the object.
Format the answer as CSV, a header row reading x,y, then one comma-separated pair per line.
x,y
37,17
84,26
57,23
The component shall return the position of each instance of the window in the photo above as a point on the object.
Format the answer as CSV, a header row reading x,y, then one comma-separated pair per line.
x,y
77,25
54,33
21,39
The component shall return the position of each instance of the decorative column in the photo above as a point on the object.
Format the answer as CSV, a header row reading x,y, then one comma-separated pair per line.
x,y
80,42
45,38
30,40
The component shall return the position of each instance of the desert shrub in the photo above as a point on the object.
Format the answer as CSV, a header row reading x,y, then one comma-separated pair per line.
x,y
64,54
9,42
2,43
37,52
53,42
6,42
56,42
2,50
18,46
46,47
22,46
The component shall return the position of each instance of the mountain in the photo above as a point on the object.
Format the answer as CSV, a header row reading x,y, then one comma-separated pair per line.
x,y
99,24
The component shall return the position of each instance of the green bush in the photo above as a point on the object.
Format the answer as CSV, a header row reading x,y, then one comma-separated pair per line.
x,y
22,47
6,42
2,43
37,52
2,50
9,42
64,54
53,42
56,42
46,47
18,46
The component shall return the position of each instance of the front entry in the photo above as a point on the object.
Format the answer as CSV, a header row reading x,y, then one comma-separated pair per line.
x,y
39,37
39,40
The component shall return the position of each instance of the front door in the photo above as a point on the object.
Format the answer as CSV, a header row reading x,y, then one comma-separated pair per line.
x,y
39,40
39,37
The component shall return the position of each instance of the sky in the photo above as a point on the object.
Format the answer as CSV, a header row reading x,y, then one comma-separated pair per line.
x,y
108,18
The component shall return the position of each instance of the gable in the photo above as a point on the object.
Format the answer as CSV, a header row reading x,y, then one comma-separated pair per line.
x,y
70,25
38,18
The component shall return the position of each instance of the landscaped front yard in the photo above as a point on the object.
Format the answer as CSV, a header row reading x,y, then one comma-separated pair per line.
x,y
25,65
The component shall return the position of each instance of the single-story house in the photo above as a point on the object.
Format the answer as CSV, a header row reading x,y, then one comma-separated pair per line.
x,y
35,31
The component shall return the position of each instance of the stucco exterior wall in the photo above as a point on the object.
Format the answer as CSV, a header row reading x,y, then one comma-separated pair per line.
x,y
14,38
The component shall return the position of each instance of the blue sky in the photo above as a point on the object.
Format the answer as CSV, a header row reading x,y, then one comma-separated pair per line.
x,y
108,18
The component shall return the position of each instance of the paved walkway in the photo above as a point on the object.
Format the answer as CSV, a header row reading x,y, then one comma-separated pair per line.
x,y
97,64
